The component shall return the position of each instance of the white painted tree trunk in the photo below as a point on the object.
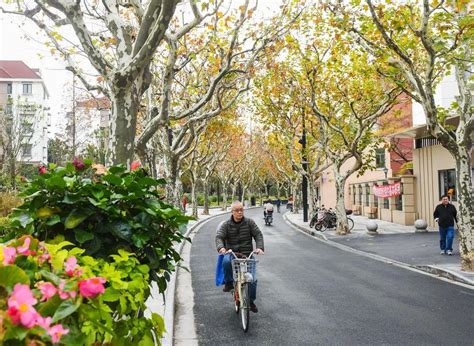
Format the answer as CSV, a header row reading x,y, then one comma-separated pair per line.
x,y
466,208
205,185
342,224
224,195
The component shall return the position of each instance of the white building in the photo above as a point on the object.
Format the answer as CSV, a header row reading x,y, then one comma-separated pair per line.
x,y
24,112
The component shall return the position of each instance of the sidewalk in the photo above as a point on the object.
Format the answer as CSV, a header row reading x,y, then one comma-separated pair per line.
x,y
394,243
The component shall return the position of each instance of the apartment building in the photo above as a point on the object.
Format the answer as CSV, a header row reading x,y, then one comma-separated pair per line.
x,y
24,113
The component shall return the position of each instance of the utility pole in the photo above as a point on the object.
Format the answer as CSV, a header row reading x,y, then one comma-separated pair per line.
x,y
304,163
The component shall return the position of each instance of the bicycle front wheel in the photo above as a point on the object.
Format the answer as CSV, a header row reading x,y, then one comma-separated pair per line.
x,y
351,223
245,307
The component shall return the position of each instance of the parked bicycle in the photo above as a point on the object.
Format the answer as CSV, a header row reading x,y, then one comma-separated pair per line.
x,y
244,272
324,219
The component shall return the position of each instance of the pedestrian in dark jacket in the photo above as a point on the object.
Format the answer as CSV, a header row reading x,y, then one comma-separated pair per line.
x,y
445,215
236,234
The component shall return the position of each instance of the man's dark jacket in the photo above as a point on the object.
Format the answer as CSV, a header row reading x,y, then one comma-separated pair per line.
x,y
446,214
238,235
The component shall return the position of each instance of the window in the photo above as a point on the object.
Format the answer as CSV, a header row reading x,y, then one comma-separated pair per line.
x,y
27,150
398,203
376,201
447,183
27,88
353,195
9,88
380,158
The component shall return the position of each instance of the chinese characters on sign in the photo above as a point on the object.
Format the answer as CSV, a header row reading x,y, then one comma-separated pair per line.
x,y
387,191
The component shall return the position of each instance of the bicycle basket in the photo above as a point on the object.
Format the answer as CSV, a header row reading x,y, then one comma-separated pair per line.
x,y
247,267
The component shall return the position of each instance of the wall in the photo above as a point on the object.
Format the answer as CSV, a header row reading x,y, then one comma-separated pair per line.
x,y
427,162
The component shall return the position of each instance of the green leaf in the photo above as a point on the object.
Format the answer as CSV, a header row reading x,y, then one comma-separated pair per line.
x,y
121,230
66,308
50,306
83,236
10,275
75,218
23,218
111,295
159,323
117,169
53,220
56,182
71,198
112,179
50,277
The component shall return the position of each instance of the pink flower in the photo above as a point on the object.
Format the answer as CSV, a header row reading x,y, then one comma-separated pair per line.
x,y
47,289
21,295
56,332
78,164
70,265
135,165
92,287
9,255
42,170
44,322
62,294
25,315
25,249
43,258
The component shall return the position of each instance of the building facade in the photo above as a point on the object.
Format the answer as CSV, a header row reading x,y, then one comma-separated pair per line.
x,y
24,113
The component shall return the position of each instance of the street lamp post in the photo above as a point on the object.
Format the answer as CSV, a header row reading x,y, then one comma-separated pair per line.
x,y
304,164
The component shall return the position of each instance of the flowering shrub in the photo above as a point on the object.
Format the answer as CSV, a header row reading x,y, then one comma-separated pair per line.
x,y
103,211
50,294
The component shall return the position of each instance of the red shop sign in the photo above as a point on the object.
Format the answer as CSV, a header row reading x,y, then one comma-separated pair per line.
x,y
386,191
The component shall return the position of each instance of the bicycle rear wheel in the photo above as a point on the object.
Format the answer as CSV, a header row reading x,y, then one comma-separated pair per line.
x,y
351,223
245,307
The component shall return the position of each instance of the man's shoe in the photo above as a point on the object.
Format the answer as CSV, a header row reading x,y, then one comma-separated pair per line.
x,y
450,253
253,308
228,287
442,253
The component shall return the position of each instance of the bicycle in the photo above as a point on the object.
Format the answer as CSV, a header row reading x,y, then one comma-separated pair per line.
x,y
244,273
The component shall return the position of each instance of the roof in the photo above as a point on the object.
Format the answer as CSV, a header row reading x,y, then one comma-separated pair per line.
x,y
16,69
421,131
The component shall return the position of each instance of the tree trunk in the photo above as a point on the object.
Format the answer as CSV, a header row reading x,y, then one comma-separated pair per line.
x,y
224,196
173,182
193,194
234,191
342,227
466,208
206,197
125,101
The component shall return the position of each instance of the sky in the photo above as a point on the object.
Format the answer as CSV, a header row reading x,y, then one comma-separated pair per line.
x,y
20,39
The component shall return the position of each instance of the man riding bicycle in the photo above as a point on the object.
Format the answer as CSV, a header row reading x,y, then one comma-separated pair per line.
x,y
236,234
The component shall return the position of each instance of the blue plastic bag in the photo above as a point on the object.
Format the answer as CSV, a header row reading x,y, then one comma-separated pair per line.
x,y
219,271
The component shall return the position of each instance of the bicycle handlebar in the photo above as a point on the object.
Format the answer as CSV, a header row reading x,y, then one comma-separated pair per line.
x,y
235,254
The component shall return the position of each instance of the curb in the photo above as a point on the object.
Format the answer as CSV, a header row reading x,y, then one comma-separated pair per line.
x,y
431,270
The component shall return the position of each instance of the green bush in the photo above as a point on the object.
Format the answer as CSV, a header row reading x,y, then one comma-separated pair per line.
x,y
103,213
92,301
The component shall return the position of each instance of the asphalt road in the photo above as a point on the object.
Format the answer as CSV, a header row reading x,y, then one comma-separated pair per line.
x,y
310,293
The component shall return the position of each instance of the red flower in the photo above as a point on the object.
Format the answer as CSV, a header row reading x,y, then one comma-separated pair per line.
x,y
78,164
42,170
135,165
